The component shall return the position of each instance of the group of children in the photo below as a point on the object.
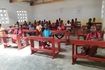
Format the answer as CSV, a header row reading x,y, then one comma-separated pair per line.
x,y
44,28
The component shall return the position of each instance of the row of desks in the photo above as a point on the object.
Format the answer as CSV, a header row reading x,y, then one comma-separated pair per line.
x,y
55,50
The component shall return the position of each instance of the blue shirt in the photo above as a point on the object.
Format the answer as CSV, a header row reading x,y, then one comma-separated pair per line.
x,y
31,27
46,33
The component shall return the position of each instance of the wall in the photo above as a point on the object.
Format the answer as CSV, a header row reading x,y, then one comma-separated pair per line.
x,y
103,14
68,9
13,7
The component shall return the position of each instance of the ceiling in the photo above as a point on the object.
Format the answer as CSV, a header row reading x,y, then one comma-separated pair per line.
x,y
34,2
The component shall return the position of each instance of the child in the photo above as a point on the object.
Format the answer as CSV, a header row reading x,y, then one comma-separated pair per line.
x,y
61,27
18,32
68,26
39,28
2,33
46,33
93,35
31,27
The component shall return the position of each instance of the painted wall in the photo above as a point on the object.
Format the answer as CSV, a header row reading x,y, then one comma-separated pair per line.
x,y
68,9
13,7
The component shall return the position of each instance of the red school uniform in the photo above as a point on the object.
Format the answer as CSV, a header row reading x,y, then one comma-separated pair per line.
x,y
93,36
92,50
17,32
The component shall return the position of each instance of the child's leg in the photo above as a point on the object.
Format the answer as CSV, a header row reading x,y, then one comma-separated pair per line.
x,y
92,51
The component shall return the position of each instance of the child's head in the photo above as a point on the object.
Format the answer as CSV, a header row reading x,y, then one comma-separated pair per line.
x,y
93,28
68,21
90,20
94,19
45,26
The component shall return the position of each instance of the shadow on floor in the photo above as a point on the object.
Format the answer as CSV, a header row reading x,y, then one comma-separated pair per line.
x,y
99,65
63,50
12,47
45,54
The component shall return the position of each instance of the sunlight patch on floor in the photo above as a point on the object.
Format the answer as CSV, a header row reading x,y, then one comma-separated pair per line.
x,y
11,51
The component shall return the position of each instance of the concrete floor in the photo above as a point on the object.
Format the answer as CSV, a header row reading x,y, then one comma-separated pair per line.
x,y
13,59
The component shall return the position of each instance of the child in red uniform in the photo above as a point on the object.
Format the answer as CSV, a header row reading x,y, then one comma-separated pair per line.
x,y
17,31
61,27
93,35
2,33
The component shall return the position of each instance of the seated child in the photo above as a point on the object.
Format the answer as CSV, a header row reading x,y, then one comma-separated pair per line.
x,y
31,27
93,35
68,26
2,33
60,27
10,30
39,28
17,31
46,33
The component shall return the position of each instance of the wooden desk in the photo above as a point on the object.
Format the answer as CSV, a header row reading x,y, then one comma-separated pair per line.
x,y
78,43
53,50
18,40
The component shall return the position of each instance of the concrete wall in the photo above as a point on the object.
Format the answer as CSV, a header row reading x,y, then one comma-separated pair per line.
x,y
68,9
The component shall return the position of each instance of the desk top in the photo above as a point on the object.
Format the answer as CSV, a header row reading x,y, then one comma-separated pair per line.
x,y
25,30
39,38
88,42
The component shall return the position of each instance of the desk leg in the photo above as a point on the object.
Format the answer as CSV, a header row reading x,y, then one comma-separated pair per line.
x,y
53,50
59,46
67,39
32,46
74,53
4,42
19,43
